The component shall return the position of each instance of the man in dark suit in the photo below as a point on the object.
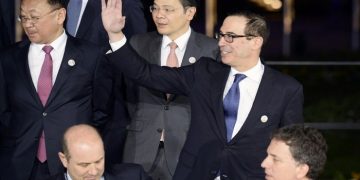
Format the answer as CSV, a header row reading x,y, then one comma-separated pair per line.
x,y
230,120
89,27
84,158
156,143
47,83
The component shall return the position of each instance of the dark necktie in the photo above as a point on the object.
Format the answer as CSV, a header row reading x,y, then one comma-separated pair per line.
x,y
231,105
73,14
44,88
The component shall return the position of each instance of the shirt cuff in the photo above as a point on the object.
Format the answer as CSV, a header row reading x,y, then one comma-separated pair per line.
x,y
118,44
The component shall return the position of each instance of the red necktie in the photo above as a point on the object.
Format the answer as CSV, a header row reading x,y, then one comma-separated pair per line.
x,y
44,88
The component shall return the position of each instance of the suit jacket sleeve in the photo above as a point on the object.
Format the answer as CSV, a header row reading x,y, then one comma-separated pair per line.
x,y
4,106
161,78
294,109
103,93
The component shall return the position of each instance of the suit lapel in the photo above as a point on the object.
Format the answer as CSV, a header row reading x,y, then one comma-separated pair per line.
x,y
90,15
192,49
217,90
262,99
24,70
155,50
71,52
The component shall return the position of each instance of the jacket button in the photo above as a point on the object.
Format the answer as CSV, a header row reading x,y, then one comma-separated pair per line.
x,y
159,130
166,107
44,114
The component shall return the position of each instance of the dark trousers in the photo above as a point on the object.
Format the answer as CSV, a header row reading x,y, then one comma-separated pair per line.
x,y
40,171
159,170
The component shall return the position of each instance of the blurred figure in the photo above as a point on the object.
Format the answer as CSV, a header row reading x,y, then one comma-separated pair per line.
x,y
160,121
7,24
47,83
295,152
84,22
84,158
235,105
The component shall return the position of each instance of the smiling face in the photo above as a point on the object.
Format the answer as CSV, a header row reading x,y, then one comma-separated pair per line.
x,y
42,22
243,53
280,164
171,18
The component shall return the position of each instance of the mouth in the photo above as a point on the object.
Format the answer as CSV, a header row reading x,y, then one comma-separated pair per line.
x,y
225,50
161,24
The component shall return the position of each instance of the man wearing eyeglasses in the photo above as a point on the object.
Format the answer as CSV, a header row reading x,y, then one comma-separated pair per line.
x,y
160,121
47,83
235,104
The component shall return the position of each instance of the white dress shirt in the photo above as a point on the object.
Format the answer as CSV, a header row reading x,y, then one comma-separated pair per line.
x,y
248,89
181,42
36,57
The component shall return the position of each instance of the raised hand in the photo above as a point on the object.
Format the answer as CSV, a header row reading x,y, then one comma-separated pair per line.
x,y
113,21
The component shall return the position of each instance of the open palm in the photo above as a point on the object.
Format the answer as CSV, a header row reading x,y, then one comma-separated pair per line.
x,y
112,18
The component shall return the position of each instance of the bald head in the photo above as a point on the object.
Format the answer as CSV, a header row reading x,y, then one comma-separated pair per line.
x,y
79,137
83,152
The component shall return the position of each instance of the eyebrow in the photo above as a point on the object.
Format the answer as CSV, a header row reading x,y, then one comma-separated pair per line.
x,y
91,162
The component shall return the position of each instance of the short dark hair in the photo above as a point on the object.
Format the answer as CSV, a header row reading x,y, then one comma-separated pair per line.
x,y
307,146
256,24
58,3
188,3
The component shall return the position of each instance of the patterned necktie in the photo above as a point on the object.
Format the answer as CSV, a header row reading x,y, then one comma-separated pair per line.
x,y
73,14
44,88
231,105
172,60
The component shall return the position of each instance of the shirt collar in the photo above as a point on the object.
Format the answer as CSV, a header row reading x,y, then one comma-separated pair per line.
x,y
180,41
61,40
255,73
67,176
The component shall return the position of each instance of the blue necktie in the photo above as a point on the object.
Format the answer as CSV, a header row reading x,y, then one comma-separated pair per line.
x,y
73,13
231,105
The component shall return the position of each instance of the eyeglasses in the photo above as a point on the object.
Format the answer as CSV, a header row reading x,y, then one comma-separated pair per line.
x,y
34,19
166,10
230,37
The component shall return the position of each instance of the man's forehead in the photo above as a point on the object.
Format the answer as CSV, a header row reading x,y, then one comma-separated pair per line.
x,y
233,24
33,5
166,2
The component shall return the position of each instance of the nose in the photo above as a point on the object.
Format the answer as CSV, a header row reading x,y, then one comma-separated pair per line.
x,y
27,24
159,14
265,162
222,41
93,170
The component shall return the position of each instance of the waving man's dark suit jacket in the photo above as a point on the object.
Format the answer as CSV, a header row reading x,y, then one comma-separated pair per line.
x,y
92,29
23,117
151,111
206,150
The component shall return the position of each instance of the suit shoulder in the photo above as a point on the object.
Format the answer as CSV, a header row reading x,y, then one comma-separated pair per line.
x,y
205,38
125,167
82,43
144,37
